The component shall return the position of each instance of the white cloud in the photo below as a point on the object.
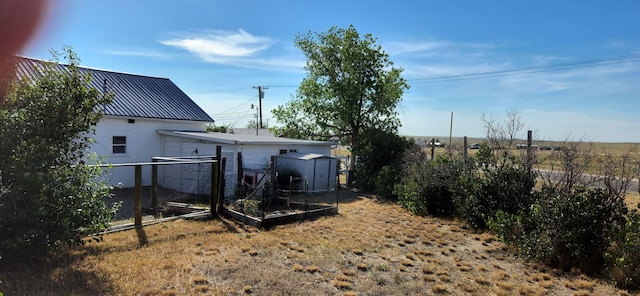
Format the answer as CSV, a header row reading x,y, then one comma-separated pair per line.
x,y
217,46
240,49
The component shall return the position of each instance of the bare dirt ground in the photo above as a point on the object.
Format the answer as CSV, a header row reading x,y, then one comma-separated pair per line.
x,y
371,248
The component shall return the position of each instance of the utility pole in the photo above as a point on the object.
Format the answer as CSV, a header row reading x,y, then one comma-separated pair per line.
x,y
260,97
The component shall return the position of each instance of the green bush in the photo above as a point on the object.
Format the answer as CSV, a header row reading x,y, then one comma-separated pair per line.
x,y
623,256
480,196
376,150
386,179
54,198
572,230
426,187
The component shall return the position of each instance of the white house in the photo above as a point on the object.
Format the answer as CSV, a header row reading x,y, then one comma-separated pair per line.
x,y
151,116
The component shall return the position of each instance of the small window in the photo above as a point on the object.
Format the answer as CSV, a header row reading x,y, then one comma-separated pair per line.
x,y
293,150
119,144
283,151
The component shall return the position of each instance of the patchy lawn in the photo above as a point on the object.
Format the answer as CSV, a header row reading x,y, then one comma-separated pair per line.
x,y
371,248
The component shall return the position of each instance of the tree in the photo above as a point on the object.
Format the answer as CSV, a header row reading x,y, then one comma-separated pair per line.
x,y
55,196
254,124
351,86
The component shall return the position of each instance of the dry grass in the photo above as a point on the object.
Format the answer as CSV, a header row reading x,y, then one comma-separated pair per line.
x,y
371,248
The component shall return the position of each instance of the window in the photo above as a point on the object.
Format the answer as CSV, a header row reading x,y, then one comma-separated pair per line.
x,y
119,144
283,151
293,150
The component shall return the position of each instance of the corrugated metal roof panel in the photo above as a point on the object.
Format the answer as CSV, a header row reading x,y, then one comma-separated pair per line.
x,y
134,95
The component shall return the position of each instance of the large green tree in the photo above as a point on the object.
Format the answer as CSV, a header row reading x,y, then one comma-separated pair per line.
x,y
351,86
54,196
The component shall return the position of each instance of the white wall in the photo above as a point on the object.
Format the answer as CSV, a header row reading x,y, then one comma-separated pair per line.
x,y
143,142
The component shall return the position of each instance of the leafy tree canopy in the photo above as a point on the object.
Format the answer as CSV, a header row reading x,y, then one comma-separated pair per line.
x,y
351,86
54,196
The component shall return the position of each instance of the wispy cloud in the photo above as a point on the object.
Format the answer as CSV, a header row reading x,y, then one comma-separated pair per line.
x,y
432,47
218,46
139,53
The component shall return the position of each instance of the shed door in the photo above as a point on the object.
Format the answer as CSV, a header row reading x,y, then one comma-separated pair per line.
x,y
321,175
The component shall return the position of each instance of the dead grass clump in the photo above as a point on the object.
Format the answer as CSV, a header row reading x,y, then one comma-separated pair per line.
x,y
540,277
429,278
200,281
483,281
342,285
358,252
530,291
247,289
465,268
348,272
297,267
409,241
579,284
429,268
501,276
505,286
343,278
312,269
445,278
362,266
406,262
440,289
253,252
201,288
350,293
468,288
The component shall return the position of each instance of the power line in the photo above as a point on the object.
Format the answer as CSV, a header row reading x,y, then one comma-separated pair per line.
x,y
532,70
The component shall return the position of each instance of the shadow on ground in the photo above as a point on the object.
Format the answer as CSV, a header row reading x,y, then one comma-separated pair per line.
x,y
57,275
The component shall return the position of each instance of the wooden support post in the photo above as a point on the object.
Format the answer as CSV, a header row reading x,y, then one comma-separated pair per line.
x,y
465,153
137,210
529,148
223,165
274,177
337,192
433,147
290,192
215,182
154,186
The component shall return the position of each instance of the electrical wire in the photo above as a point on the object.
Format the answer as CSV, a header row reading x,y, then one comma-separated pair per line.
x,y
531,70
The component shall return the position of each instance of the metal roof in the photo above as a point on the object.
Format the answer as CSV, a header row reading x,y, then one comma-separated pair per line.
x,y
237,139
134,95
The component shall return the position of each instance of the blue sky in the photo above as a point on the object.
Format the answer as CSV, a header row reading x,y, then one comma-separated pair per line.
x,y
217,51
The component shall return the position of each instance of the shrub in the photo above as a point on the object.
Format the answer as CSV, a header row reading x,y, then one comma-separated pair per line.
x,y
45,126
376,150
567,230
623,256
427,186
480,196
386,179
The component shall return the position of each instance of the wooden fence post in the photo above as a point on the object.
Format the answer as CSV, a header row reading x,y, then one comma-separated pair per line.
x,y
464,143
223,165
137,210
215,182
154,186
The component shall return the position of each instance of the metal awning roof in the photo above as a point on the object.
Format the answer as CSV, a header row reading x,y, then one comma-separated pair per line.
x,y
237,139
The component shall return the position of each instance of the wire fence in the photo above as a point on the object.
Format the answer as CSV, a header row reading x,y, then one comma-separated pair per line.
x,y
188,181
